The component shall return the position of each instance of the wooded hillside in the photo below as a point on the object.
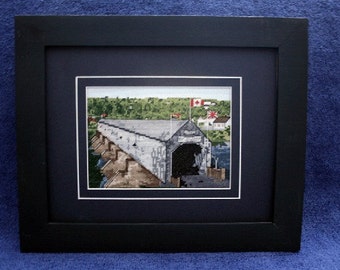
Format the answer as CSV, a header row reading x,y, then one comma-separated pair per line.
x,y
151,108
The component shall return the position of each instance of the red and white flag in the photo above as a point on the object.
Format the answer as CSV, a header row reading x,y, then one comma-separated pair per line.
x,y
196,102
212,114
176,115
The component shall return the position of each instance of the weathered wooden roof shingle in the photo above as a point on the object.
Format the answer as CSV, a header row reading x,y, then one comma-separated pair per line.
x,y
156,129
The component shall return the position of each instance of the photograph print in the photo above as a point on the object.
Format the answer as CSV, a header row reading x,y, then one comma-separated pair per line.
x,y
172,137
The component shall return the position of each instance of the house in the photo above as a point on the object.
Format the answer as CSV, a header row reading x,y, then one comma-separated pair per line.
x,y
221,123
205,123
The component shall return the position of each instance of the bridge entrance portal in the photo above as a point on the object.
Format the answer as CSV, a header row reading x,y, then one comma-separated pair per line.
x,y
185,160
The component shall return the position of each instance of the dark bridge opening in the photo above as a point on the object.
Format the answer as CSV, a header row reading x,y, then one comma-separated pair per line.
x,y
183,160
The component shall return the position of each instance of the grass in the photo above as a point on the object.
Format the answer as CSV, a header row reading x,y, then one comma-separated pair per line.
x,y
217,136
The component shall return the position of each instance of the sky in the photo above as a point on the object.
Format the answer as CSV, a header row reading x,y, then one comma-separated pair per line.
x,y
203,92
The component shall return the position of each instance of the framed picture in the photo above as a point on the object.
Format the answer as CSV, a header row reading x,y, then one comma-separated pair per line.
x,y
167,134
160,134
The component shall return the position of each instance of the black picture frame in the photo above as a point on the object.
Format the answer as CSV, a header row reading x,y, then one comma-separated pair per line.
x,y
40,232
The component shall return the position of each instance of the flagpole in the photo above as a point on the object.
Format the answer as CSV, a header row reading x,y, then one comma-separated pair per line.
x,y
190,109
170,125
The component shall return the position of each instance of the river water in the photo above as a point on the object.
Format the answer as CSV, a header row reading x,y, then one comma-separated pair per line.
x,y
222,153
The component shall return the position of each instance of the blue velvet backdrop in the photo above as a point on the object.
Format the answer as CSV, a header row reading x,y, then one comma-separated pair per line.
x,y
321,230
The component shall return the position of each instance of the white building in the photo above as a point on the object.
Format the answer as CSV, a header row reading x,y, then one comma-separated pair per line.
x,y
205,123
221,123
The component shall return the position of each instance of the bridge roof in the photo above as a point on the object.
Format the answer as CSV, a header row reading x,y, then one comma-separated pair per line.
x,y
155,129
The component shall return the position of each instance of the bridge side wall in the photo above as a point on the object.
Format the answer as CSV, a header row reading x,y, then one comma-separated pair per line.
x,y
149,152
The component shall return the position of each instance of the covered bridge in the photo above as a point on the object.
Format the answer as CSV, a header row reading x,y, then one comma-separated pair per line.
x,y
167,148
